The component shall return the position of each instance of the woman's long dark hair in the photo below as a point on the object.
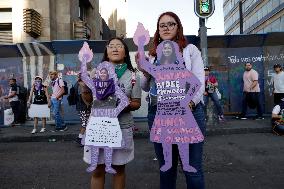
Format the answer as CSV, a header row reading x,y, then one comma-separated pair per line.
x,y
180,39
127,56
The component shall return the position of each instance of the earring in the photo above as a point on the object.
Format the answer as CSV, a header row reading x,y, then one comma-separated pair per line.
x,y
159,40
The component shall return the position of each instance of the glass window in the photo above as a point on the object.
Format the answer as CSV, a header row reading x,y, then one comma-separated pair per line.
x,y
269,6
282,23
275,4
264,11
259,14
275,26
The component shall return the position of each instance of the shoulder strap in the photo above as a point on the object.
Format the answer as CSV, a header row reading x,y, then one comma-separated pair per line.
x,y
133,79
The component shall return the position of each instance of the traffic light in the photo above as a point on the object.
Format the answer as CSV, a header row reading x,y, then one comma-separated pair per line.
x,y
204,8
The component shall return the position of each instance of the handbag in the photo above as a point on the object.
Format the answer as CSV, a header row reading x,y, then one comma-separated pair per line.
x,y
278,127
218,93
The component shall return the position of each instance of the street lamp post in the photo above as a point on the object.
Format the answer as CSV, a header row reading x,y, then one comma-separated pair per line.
x,y
204,9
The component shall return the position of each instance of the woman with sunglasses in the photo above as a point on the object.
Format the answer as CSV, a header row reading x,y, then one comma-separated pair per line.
x,y
169,27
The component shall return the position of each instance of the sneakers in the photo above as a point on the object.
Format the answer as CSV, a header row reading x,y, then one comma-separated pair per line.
x,y
221,118
33,131
258,118
241,117
42,130
63,128
79,141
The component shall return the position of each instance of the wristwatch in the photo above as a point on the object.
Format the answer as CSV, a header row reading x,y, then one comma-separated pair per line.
x,y
191,105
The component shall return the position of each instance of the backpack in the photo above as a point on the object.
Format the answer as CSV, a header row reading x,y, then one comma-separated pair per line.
x,y
65,87
72,97
22,93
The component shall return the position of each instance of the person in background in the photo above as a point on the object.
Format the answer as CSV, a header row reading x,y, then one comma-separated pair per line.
x,y
278,84
278,111
84,99
56,97
211,84
41,97
14,100
251,92
169,27
117,53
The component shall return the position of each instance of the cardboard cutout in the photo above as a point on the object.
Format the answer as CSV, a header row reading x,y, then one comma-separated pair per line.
x,y
103,129
176,86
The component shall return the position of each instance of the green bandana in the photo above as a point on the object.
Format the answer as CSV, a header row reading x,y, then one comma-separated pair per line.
x,y
120,69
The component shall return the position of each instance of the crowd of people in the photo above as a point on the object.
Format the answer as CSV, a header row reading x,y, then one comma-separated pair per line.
x,y
169,27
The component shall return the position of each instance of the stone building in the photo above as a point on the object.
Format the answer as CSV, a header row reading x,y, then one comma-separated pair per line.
x,y
47,20
119,25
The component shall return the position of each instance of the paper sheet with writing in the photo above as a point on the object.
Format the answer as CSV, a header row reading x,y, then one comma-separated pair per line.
x,y
103,131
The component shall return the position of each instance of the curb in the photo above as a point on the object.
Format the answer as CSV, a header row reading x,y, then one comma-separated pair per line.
x,y
137,134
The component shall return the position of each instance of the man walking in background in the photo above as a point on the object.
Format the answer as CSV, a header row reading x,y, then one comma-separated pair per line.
x,y
56,97
278,84
14,100
251,92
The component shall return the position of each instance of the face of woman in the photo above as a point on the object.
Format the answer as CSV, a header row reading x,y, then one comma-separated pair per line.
x,y
38,81
116,51
168,28
103,75
167,50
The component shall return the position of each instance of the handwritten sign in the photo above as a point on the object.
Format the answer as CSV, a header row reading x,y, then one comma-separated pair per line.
x,y
175,87
103,131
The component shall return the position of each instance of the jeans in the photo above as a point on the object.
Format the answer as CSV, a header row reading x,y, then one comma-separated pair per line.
x,y
245,102
15,105
56,106
278,97
168,178
214,98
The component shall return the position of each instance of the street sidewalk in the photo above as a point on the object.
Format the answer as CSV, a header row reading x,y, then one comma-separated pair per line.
x,y
230,126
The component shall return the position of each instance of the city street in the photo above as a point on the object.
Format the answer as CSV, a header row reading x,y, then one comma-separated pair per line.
x,y
240,161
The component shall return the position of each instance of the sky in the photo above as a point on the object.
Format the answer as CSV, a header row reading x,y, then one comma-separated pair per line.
x,y
148,11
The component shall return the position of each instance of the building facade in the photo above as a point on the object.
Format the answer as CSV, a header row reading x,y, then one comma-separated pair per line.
x,y
119,25
47,20
253,16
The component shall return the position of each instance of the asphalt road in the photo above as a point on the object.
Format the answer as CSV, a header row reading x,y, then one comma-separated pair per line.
x,y
244,161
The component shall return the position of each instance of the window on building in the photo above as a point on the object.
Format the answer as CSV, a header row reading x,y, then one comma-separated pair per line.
x,y
5,15
282,23
275,4
275,26
82,11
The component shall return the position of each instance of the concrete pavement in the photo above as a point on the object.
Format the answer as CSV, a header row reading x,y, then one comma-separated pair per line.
x,y
240,161
230,126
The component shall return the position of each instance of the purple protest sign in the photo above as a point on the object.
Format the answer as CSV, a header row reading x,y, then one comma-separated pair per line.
x,y
103,129
176,86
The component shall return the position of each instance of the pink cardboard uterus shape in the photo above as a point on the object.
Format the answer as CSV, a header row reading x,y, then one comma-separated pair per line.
x,y
85,53
176,86
141,37
110,82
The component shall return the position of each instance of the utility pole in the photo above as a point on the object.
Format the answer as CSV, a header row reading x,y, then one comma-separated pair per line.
x,y
204,9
